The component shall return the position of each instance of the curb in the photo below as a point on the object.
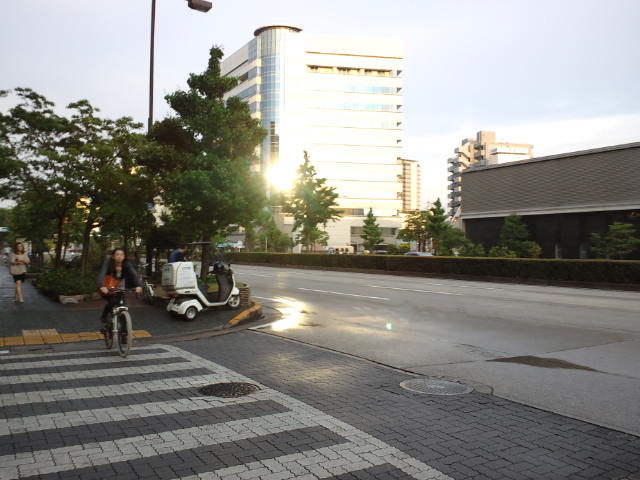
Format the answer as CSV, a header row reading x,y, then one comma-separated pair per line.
x,y
250,314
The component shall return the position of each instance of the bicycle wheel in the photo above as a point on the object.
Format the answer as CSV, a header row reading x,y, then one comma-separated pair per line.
x,y
108,336
125,333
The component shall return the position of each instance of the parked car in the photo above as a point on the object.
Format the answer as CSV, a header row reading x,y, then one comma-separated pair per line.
x,y
419,254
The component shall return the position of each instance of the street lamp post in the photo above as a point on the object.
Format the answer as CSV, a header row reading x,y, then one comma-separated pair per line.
x,y
199,5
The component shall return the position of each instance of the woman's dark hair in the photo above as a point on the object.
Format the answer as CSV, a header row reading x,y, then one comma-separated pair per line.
x,y
15,248
111,268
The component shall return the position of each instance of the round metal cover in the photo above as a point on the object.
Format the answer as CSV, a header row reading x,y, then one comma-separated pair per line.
x,y
228,389
433,386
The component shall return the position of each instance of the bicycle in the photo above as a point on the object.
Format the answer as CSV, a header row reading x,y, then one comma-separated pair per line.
x,y
148,293
119,323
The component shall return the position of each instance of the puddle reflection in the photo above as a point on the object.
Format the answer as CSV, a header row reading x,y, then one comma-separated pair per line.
x,y
292,313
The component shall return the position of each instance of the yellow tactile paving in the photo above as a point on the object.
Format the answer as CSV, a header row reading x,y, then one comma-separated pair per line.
x,y
141,334
51,335
52,339
90,335
70,337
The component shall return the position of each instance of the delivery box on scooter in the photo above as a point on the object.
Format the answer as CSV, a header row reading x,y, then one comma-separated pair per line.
x,y
178,276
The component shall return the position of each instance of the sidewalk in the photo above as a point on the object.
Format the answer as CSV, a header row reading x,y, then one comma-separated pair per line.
x,y
42,320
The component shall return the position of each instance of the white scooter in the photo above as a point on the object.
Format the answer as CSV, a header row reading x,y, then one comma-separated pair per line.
x,y
187,299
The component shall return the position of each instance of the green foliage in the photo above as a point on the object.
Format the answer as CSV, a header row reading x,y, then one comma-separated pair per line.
x,y
431,226
371,231
501,252
271,239
599,271
514,237
449,239
416,229
619,241
208,185
312,203
470,249
72,175
66,282
399,249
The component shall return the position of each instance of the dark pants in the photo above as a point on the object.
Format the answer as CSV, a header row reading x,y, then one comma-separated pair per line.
x,y
111,302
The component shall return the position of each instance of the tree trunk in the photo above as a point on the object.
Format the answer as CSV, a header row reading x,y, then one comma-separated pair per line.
x,y
148,259
204,267
59,229
86,242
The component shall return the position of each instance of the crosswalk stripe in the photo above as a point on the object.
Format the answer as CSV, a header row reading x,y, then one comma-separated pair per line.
x,y
115,359
63,459
123,413
344,448
9,399
325,462
83,375
52,355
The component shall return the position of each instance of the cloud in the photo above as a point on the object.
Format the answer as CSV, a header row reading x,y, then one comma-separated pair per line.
x,y
548,138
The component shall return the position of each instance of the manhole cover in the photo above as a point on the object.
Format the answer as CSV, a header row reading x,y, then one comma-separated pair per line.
x,y
228,389
435,387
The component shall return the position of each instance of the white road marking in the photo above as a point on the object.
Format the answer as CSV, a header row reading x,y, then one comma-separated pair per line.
x,y
410,290
341,293
355,450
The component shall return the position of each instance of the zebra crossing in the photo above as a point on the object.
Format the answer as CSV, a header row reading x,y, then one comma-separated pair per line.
x,y
91,414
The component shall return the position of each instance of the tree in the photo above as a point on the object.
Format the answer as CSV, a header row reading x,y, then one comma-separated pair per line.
x,y
514,237
208,184
619,241
416,229
272,239
312,204
470,249
37,169
371,231
439,229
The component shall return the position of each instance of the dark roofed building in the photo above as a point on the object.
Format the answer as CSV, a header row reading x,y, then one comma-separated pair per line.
x,y
562,198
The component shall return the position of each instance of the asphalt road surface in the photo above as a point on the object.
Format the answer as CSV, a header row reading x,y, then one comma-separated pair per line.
x,y
571,351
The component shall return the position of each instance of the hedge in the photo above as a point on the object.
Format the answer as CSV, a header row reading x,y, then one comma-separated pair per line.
x,y
594,271
66,282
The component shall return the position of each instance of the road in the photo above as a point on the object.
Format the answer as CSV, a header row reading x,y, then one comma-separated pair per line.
x,y
567,350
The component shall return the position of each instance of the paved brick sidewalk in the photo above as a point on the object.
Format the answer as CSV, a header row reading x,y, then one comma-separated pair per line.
x,y
41,313
91,415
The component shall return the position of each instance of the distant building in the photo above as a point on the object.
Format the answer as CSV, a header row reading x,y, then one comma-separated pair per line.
x,y
482,151
562,198
340,99
411,181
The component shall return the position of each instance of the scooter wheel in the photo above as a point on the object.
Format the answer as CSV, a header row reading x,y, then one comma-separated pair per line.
x,y
234,302
190,313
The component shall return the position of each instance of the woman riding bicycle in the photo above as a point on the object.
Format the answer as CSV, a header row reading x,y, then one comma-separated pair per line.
x,y
113,272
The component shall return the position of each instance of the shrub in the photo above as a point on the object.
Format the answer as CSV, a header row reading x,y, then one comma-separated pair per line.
x,y
602,271
66,282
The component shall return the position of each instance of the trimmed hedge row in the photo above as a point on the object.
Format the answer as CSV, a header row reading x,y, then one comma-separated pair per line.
x,y
598,271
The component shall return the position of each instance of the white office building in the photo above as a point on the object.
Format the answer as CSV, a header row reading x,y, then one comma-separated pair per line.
x,y
340,99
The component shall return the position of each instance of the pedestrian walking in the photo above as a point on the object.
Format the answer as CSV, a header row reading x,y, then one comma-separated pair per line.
x,y
18,262
115,269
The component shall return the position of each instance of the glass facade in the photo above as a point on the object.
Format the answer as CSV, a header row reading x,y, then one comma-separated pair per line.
x,y
268,46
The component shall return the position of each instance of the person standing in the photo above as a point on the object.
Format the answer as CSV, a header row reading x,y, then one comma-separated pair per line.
x,y
18,262
177,255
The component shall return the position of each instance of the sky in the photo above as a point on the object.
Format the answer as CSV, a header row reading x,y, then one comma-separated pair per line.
x,y
563,75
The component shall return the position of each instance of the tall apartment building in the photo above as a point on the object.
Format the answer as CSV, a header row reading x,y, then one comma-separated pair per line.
x,y
340,99
411,185
482,151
